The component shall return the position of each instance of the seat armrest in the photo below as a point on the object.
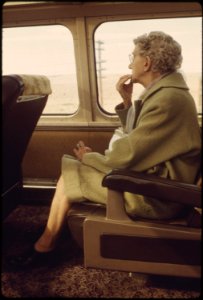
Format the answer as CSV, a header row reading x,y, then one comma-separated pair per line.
x,y
153,186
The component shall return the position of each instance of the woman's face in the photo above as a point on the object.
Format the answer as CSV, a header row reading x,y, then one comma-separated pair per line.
x,y
138,66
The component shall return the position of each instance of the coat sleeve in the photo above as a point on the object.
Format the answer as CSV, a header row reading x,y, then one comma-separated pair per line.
x,y
161,134
122,113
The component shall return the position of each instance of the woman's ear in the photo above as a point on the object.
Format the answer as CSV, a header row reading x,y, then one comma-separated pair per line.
x,y
147,64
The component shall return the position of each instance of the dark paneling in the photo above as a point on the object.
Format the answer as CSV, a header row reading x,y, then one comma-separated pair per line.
x,y
44,152
149,249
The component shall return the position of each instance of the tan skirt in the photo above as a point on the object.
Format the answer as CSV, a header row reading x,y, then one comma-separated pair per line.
x,y
85,183
82,182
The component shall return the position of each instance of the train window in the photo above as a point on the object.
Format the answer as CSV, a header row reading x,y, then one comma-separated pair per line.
x,y
46,50
114,41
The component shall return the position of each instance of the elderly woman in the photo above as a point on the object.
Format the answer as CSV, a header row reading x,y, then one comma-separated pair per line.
x,y
159,134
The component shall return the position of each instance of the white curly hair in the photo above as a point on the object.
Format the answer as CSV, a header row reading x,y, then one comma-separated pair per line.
x,y
163,50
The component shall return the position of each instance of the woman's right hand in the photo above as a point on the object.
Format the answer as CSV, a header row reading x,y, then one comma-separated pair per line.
x,y
81,149
125,89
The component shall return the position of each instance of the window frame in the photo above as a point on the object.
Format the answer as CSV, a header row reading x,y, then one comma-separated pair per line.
x,y
82,28
40,27
106,112
93,25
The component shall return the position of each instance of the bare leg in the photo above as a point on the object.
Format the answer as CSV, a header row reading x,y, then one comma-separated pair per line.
x,y
59,207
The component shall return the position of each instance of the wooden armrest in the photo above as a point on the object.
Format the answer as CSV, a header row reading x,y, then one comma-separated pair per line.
x,y
153,186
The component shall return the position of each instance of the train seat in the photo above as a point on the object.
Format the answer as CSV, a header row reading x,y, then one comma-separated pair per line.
x,y
113,240
23,100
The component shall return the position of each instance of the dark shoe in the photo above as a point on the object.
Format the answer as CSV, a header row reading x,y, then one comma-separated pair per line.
x,y
31,258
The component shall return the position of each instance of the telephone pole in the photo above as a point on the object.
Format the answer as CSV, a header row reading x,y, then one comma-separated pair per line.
x,y
100,68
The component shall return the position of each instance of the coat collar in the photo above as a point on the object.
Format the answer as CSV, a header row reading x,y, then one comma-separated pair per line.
x,y
174,79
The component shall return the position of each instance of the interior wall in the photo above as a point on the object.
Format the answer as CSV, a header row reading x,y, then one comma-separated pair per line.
x,y
46,148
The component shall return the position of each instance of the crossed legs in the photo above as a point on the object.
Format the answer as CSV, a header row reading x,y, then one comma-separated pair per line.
x,y
58,210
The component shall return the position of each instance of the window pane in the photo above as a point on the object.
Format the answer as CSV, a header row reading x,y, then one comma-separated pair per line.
x,y
114,43
44,50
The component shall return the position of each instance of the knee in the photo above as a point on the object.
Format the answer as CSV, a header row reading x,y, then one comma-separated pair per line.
x,y
60,182
60,187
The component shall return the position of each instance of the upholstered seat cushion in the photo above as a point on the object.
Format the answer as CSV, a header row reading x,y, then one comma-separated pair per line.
x,y
36,85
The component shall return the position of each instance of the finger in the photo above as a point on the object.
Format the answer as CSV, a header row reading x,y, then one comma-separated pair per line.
x,y
88,149
81,144
125,78
75,151
123,82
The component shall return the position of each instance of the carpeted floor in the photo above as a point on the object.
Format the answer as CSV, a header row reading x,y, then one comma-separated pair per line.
x,y
68,278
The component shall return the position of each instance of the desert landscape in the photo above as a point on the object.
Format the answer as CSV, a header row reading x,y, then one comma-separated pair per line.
x,y
64,97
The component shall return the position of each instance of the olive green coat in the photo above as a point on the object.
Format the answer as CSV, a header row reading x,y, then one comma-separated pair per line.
x,y
165,140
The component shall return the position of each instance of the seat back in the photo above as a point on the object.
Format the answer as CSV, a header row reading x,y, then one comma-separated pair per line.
x,y
23,100
12,88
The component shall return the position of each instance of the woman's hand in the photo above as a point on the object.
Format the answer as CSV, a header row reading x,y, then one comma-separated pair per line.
x,y
81,149
125,89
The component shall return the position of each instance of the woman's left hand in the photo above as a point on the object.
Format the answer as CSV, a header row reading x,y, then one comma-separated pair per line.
x,y
125,89
81,149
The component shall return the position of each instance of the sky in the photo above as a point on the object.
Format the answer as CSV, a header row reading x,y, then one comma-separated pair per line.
x,y
44,50
186,31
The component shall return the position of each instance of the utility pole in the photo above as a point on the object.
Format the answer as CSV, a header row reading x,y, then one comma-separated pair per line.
x,y
99,68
